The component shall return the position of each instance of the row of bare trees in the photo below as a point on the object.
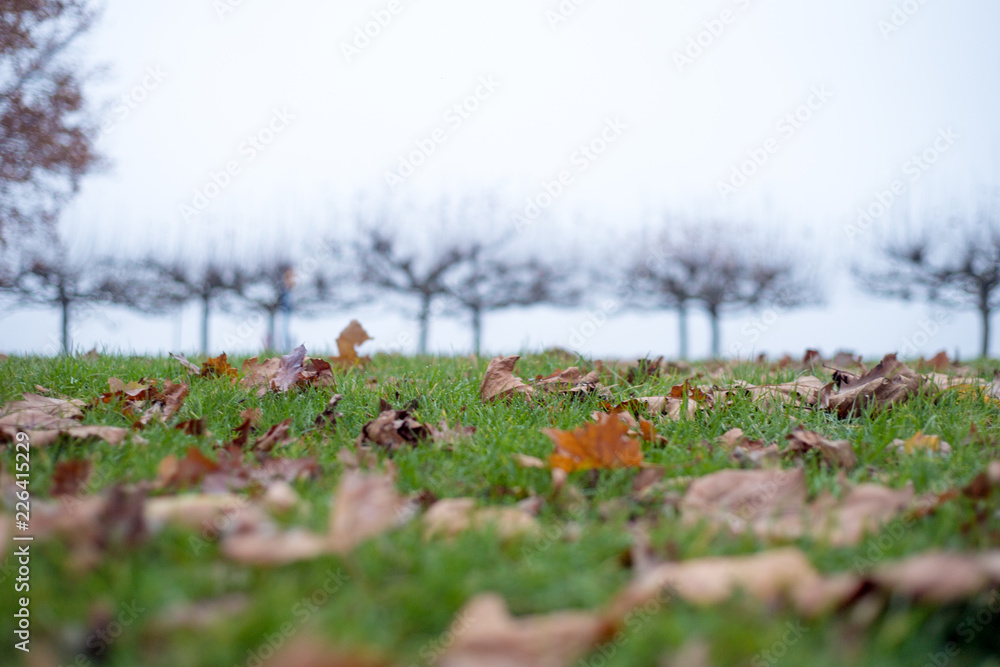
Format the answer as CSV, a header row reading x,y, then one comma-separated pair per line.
x,y
454,260
459,269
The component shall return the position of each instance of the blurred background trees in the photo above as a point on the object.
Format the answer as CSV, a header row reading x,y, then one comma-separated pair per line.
x,y
719,267
949,260
46,135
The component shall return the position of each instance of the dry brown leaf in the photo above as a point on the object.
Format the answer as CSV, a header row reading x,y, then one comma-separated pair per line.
x,y
500,381
756,500
350,338
485,635
218,367
192,369
887,384
771,577
275,436
838,453
921,442
526,461
755,453
272,547
393,429
864,509
450,435
771,504
940,577
572,381
70,476
605,444
365,505
34,403
290,369
328,418
450,516
316,652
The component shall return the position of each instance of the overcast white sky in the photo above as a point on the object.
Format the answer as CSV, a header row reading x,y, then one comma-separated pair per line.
x,y
693,89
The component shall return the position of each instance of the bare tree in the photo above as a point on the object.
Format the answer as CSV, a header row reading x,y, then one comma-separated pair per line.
x,y
722,268
46,140
415,266
276,283
214,282
492,278
54,277
956,265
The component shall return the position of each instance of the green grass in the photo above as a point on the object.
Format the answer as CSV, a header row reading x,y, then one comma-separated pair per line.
x,y
400,592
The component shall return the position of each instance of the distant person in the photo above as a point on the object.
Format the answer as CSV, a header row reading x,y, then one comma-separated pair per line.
x,y
285,306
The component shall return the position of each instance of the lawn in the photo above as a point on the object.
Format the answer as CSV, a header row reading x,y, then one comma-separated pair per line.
x,y
119,576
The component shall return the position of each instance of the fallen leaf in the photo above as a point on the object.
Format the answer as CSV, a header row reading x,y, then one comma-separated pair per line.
x,y
365,505
218,367
743,450
940,577
771,577
573,382
393,429
485,635
887,384
500,381
69,477
450,434
604,444
838,453
771,504
328,418
275,436
289,369
525,461
921,442
349,339
315,652
450,516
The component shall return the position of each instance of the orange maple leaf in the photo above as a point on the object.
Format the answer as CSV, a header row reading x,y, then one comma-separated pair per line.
x,y
604,444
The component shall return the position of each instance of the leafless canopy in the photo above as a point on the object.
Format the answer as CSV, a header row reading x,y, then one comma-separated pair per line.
x,y
719,267
954,262
46,140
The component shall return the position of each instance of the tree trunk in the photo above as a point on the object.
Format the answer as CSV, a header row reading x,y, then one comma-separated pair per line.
x,y
64,303
477,330
984,312
424,320
272,316
206,308
682,320
713,314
